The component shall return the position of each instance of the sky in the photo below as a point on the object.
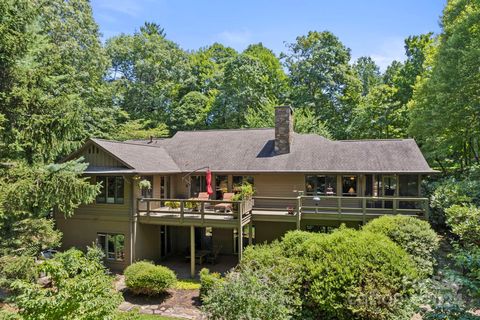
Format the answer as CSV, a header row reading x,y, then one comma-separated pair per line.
x,y
375,28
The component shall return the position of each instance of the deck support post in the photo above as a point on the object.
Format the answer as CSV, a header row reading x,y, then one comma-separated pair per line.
x,y
299,212
192,251
250,232
240,243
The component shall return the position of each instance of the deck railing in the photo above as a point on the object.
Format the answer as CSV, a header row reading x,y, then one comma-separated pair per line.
x,y
343,205
194,209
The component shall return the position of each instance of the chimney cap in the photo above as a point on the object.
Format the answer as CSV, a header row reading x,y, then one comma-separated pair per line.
x,y
285,106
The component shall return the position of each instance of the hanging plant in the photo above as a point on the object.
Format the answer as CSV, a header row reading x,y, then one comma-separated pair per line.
x,y
145,184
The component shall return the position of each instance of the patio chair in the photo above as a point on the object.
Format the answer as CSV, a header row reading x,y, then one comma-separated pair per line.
x,y
213,256
225,207
203,196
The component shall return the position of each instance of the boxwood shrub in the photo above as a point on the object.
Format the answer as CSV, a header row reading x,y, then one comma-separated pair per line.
x,y
415,236
146,278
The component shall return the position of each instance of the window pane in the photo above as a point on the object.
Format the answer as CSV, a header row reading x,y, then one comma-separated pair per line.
x,y
237,182
119,190
111,247
349,185
119,247
330,185
390,185
408,185
221,186
310,184
102,196
110,189
102,242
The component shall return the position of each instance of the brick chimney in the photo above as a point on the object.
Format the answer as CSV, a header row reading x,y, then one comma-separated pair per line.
x,y
283,129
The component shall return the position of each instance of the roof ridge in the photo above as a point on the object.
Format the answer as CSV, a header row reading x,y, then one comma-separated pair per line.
x,y
129,143
231,129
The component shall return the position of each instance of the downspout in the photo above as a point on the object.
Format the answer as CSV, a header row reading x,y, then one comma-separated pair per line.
x,y
132,222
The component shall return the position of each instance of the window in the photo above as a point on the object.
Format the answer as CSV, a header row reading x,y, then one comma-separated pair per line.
x,y
389,186
349,186
147,193
239,180
373,185
198,184
112,189
221,186
320,184
112,245
408,185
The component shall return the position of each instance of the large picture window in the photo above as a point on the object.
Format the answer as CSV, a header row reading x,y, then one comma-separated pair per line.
x,y
113,245
321,184
112,189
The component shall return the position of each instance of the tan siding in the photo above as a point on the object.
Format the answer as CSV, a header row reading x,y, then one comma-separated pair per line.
x,y
268,231
278,185
224,238
82,232
147,244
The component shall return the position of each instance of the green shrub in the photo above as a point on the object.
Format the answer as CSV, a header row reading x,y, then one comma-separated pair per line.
x,y
465,223
172,204
245,191
249,294
81,289
16,268
146,278
415,236
352,274
208,281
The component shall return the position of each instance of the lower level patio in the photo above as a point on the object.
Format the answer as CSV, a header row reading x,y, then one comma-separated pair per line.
x,y
181,265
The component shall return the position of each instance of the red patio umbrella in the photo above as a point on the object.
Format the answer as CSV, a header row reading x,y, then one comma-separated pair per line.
x,y
208,178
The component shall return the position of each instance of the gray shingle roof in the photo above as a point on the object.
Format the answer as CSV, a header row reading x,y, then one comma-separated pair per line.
x,y
141,158
251,150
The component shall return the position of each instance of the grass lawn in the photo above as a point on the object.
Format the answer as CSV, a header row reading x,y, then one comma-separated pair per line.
x,y
187,284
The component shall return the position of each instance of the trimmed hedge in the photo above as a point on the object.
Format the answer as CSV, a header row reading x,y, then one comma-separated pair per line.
x,y
146,278
415,236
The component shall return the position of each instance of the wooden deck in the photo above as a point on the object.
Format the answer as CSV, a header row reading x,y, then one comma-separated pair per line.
x,y
200,213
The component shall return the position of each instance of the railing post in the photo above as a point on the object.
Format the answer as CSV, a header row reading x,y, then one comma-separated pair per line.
x,y
394,205
148,207
202,211
182,210
364,210
299,212
339,205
